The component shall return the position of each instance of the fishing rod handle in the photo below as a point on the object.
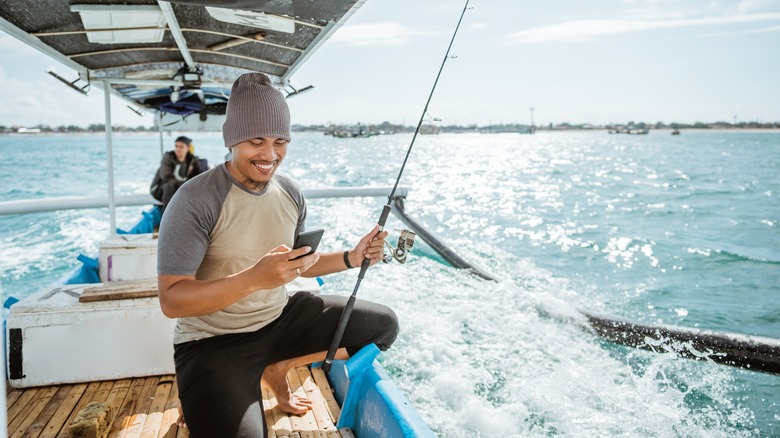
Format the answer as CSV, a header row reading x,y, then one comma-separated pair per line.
x,y
340,329
363,268
383,217
344,319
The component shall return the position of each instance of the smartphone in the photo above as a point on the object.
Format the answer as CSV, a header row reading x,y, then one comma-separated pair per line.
x,y
308,238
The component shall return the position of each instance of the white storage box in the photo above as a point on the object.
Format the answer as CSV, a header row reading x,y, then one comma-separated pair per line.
x,y
52,338
128,257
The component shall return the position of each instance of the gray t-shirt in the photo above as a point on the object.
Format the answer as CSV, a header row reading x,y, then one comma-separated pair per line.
x,y
215,227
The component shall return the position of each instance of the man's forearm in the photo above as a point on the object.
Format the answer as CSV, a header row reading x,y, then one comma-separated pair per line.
x,y
186,297
328,263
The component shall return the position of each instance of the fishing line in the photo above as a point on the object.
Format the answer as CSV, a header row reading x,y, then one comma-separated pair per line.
x,y
347,312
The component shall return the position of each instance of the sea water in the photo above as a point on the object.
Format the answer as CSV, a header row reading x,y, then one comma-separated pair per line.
x,y
679,230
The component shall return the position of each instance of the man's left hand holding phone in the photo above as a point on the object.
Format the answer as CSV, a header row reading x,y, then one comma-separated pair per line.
x,y
309,239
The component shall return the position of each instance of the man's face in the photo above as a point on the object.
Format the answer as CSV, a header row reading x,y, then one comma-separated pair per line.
x,y
181,150
255,161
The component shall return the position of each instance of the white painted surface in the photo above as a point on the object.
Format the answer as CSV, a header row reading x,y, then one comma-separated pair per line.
x,y
126,257
64,341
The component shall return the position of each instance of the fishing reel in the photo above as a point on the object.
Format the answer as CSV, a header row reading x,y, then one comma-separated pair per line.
x,y
402,248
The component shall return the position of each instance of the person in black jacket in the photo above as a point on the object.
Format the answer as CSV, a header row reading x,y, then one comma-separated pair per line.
x,y
176,167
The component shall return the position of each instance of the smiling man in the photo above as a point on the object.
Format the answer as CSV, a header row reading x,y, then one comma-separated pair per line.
x,y
224,259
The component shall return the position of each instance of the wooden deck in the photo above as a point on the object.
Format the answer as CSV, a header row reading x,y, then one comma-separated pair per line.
x,y
147,407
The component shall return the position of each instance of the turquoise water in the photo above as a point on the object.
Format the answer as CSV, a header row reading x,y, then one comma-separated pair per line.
x,y
659,229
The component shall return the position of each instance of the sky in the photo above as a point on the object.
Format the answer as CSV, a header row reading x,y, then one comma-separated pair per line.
x,y
599,62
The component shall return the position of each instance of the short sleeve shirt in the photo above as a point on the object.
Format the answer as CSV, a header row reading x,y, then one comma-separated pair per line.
x,y
215,227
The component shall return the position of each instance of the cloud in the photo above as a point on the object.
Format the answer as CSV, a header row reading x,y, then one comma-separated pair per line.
x,y
749,31
377,34
746,6
588,29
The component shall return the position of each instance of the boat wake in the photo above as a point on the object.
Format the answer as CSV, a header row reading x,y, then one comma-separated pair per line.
x,y
479,358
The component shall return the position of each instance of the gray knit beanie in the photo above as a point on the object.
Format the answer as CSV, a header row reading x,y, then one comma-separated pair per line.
x,y
255,109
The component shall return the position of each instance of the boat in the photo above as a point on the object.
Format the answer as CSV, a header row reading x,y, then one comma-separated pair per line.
x,y
180,65
632,130
99,338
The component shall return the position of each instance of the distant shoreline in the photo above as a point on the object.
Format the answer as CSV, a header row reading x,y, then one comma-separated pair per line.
x,y
538,132
443,131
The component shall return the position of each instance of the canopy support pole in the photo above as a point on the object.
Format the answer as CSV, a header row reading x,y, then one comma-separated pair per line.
x,y
160,130
110,161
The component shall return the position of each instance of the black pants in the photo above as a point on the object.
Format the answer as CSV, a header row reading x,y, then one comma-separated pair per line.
x,y
219,377
168,189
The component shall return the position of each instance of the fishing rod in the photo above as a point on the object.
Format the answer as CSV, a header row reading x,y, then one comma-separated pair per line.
x,y
347,312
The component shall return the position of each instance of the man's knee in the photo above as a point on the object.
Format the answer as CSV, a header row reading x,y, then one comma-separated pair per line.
x,y
388,322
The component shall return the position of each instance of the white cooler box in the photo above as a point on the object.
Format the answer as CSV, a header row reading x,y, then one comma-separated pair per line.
x,y
126,257
52,338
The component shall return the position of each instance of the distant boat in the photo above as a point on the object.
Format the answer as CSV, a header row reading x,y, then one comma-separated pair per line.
x,y
675,131
634,131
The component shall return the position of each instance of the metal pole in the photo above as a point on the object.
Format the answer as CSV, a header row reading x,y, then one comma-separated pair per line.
x,y
110,161
160,130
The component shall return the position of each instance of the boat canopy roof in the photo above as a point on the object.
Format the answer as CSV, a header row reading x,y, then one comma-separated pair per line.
x,y
176,57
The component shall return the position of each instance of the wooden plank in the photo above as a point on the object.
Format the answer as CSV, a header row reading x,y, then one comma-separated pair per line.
x,y
46,412
281,423
169,428
20,406
154,417
107,387
140,411
296,422
183,432
307,421
118,392
117,396
120,290
12,396
64,410
319,407
269,402
125,406
37,426
321,412
346,432
327,392
93,390
306,380
276,420
35,407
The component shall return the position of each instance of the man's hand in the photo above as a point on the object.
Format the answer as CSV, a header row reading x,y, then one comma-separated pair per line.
x,y
278,267
371,247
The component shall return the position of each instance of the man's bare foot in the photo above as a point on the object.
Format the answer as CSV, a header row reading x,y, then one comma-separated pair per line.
x,y
275,378
180,421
